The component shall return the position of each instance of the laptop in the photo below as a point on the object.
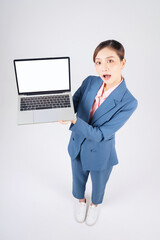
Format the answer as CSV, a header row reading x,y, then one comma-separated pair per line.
x,y
44,90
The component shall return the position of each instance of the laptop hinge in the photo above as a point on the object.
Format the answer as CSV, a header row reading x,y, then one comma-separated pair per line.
x,y
42,93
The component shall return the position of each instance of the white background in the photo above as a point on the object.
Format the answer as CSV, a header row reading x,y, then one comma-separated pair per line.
x,y
36,199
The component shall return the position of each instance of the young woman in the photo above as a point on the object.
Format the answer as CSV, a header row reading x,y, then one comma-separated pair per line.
x,y
103,104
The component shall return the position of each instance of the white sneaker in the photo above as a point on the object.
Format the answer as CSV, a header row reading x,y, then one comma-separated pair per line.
x,y
92,214
80,212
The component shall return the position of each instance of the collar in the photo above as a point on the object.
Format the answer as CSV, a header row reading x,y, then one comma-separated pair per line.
x,y
107,92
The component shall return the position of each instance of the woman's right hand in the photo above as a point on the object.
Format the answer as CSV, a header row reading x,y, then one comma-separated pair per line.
x,y
63,122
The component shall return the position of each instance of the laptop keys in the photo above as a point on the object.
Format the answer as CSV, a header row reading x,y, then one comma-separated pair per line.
x,y
44,102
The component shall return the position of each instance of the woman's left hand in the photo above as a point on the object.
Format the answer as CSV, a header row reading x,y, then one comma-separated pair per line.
x,y
66,122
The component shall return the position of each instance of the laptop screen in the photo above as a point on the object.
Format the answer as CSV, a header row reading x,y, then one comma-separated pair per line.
x,y
42,75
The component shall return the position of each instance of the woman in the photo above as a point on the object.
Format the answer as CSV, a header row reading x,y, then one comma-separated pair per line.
x,y
103,104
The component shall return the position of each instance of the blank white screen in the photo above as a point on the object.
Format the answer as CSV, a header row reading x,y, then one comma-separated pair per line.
x,y
42,75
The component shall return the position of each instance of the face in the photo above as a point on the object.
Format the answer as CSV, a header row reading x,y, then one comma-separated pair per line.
x,y
107,62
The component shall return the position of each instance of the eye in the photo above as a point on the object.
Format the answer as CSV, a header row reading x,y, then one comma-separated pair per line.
x,y
97,63
110,60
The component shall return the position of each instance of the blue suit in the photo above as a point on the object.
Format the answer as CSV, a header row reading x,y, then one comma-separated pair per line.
x,y
95,140
92,144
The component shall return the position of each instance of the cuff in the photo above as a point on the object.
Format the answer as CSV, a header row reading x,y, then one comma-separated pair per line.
x,y
73,126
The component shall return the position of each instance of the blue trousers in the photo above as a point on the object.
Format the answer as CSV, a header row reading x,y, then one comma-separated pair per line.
x,y
98,178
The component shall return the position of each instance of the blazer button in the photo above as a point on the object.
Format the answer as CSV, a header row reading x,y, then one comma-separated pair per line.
x,y
73,139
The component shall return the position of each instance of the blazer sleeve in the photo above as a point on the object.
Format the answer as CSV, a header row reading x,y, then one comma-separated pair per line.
x,y
105,131
79,93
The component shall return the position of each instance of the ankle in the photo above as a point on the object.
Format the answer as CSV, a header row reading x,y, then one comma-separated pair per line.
x,y
82,200
94,204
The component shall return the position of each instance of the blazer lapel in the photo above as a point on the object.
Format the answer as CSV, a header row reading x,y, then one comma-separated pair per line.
x,y
92,92
109,102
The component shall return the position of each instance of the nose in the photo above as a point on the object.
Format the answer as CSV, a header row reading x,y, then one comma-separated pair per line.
x,y
105,67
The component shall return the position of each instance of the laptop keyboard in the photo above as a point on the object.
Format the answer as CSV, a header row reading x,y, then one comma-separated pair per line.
x,y
44,102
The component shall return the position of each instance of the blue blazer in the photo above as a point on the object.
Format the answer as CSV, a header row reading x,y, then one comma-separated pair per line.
x,y
95,140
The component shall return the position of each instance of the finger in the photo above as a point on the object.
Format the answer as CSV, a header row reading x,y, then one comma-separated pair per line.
x,y
60,121
63,122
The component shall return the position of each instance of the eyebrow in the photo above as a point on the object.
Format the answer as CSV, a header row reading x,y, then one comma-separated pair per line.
x,y
107,57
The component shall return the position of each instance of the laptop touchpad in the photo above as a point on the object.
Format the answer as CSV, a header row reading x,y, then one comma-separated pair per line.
x,y
45,115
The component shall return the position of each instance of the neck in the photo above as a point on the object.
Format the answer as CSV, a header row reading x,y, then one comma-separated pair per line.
x,y
108,86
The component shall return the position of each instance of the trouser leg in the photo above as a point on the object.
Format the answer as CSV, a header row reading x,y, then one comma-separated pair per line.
x,y
79,178
99,180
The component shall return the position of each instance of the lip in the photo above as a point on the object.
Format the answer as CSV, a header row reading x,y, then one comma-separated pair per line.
x,y
105,75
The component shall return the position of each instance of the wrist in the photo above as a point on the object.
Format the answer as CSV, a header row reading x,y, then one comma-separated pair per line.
x,y
74,121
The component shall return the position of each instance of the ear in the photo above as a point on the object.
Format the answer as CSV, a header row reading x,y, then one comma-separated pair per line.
x,y
123,63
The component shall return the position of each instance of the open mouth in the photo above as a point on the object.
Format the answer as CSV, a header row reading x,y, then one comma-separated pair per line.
x,y
106,76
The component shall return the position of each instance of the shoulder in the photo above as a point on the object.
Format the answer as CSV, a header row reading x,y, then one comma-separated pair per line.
x,y
91,78
124,96
129,95
129,99
87,81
